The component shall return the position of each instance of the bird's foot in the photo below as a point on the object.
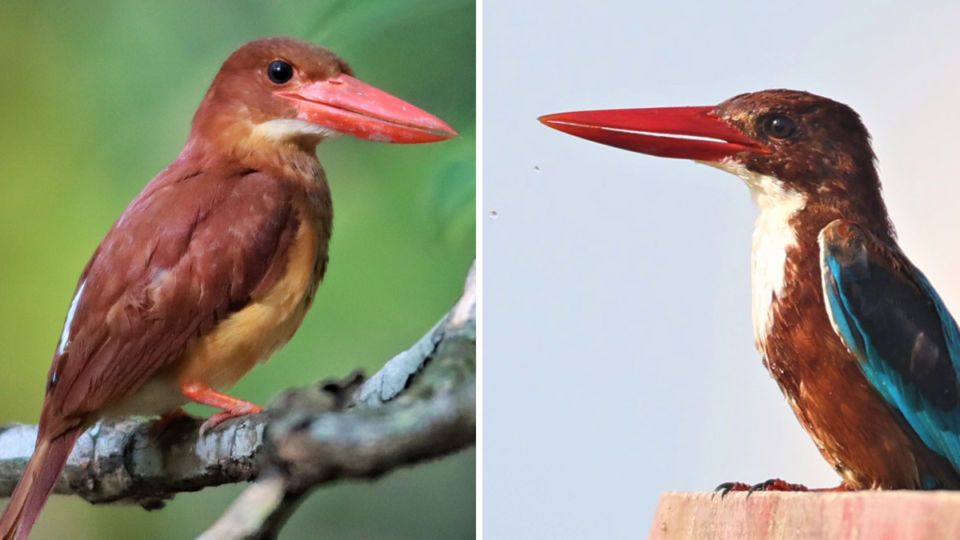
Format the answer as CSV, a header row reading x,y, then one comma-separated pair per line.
x,y
160,426
219,418
232,407
774,484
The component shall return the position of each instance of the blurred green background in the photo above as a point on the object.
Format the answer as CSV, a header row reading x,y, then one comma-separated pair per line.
x,y
96,97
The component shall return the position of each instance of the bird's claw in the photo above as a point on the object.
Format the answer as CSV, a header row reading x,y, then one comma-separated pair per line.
x,y
160,426
219,418
774,484
727,487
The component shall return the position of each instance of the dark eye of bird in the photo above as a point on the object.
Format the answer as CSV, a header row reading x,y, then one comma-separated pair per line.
x,y
779,127
279,72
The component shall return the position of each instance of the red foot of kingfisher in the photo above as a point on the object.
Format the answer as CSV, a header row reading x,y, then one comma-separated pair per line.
x,y
774,484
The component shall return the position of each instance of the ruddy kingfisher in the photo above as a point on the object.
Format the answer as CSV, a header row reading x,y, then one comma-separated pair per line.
x,y
858,340
213,265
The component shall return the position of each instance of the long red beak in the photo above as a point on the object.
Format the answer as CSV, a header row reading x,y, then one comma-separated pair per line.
x,y
351,106
702,135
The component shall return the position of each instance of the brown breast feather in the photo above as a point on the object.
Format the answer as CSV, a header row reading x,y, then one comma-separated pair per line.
x,y
192,248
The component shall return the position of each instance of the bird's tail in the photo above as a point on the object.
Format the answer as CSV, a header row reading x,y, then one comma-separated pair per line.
x,y
36,484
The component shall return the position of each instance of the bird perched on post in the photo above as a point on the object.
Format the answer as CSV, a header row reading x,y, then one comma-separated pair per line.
x,y
861,345
213,265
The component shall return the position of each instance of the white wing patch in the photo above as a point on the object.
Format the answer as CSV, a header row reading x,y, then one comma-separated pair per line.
x,y
65,336
825,277
772,237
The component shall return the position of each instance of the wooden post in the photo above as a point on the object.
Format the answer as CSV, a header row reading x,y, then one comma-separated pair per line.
x,y
901,515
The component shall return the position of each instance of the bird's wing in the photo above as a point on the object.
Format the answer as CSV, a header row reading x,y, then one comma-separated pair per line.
x,y
192,248
906,341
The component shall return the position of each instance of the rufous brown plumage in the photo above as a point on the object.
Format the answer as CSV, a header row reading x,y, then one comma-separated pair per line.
x,y
213,265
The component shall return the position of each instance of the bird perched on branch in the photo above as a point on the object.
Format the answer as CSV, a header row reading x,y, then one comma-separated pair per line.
x,y
214,264
861,345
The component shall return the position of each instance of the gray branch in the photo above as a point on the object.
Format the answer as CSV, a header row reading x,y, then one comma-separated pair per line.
x,y
419,406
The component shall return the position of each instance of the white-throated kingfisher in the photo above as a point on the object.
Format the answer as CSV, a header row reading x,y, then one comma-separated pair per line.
x,y
213,265
861,345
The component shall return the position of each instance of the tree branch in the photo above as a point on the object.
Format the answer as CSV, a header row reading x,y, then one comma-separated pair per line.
x,y
420,405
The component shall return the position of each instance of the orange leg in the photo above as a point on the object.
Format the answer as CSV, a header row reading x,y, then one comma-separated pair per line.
x,y
232,406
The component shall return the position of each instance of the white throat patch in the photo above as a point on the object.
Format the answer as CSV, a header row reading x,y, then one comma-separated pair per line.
x,y
282,129
772,236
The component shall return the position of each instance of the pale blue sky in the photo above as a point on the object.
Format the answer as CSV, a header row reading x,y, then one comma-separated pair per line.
x,y
618,351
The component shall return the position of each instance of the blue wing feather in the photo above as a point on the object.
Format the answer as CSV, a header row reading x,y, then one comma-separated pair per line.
x,y
893,321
